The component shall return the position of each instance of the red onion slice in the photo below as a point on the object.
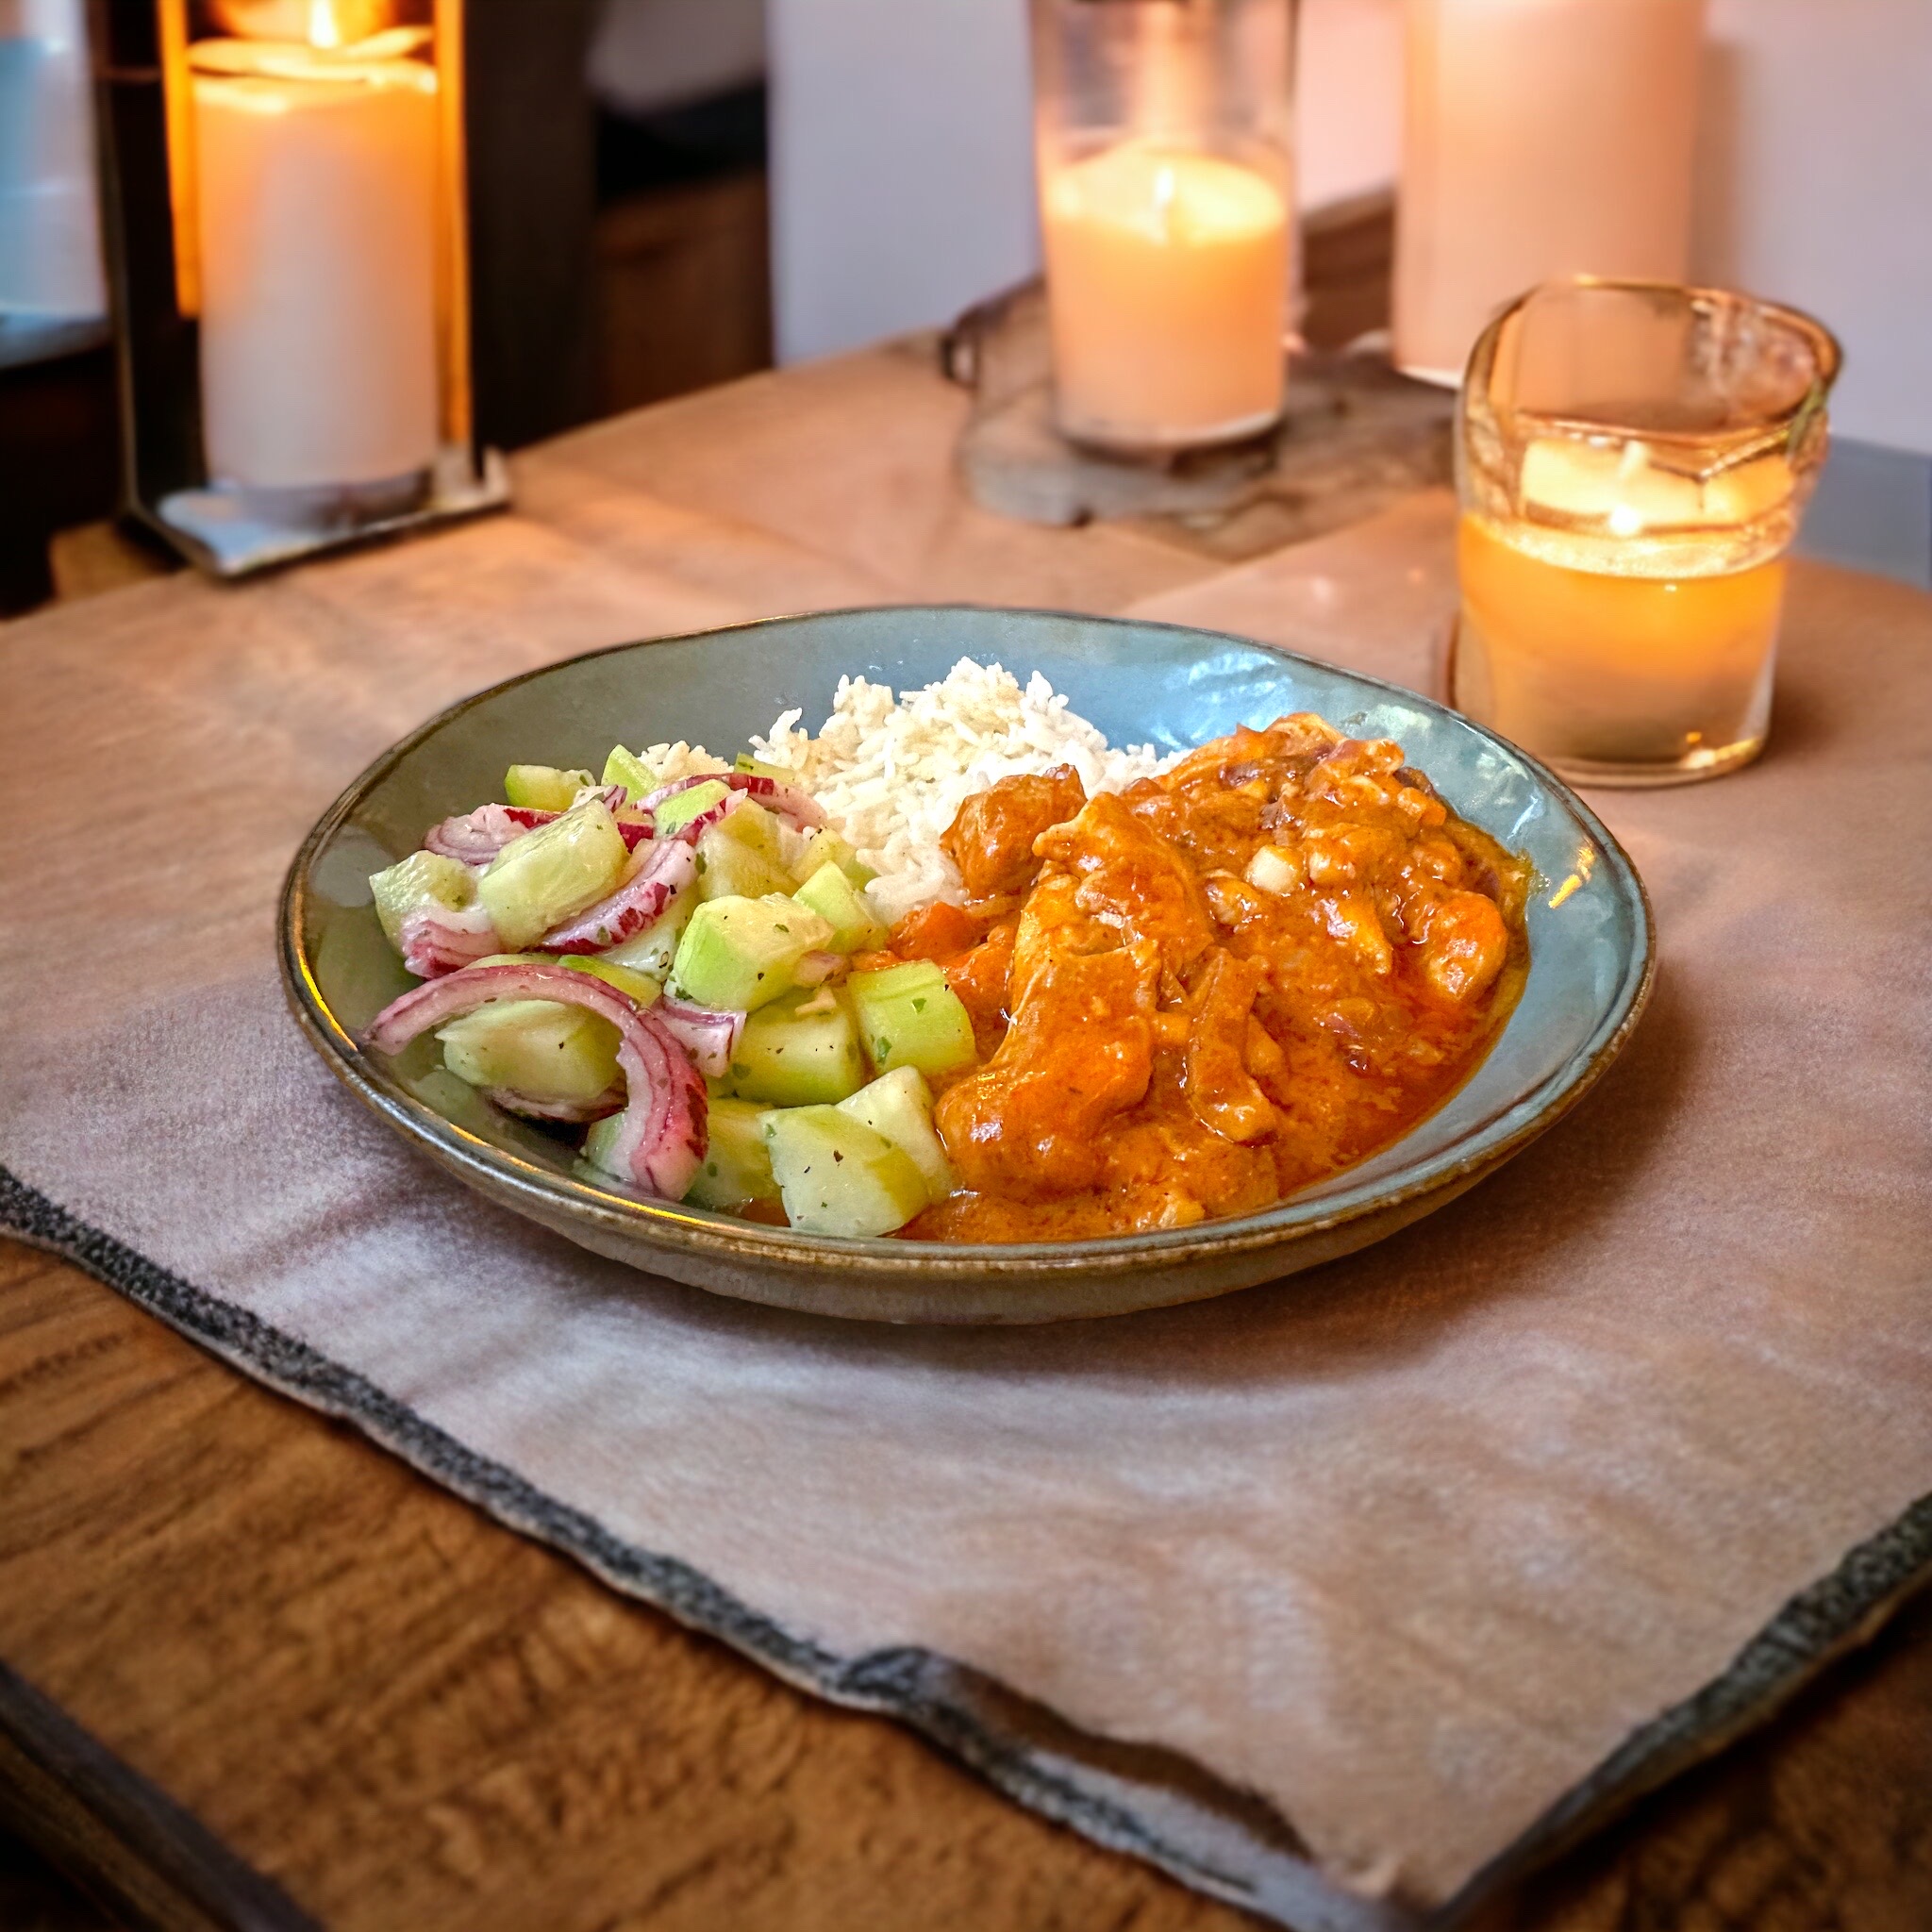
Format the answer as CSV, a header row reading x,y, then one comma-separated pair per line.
x,y
574,1112
659,872
662,869
476,837
710,1035
800,807
434,940
814,969
662,1140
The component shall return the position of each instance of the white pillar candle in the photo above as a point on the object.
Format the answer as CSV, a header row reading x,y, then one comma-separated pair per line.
x,y
1541,138
1167,277
317,189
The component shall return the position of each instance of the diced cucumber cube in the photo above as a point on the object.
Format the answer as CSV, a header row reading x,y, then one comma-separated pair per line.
x,y
740,953
745,762
599,1142
729,868
786,1057
837,1176
424,878
752,825
653,950
640,985
856,928
899,1106
682,807
543,1049
546,877
909,1017
627,769
542,788
738,1164
825,844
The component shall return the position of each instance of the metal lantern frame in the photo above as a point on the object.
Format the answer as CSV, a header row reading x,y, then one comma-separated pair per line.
x,y
147,124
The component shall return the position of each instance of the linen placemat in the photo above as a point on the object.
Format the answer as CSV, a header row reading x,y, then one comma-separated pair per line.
x,y
1343,1597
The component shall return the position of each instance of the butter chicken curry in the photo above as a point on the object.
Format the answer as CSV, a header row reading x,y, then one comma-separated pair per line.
x,y
1207,992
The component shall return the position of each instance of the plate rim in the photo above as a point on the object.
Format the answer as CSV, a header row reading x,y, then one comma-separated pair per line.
x,y
726,1238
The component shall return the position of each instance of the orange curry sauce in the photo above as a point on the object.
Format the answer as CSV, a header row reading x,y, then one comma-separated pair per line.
x,y
1209,990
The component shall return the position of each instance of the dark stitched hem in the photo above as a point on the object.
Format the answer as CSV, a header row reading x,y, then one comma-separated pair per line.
x,y
1088,1783
1214,1837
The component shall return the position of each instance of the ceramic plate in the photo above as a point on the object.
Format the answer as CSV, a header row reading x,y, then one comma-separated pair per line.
x,y
1590,938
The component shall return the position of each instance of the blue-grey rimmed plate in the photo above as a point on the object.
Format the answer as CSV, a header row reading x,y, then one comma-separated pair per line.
x,y
1590,936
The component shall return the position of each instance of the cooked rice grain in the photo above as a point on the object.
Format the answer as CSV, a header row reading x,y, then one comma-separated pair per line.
x,y
892,773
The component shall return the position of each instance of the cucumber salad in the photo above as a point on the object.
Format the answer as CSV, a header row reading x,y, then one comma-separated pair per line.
x,y
681,971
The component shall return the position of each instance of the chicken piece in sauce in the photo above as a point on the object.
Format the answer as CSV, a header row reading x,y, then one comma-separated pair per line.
x,y
1079,1053
1128,878
1221,985
991,839
1222,1092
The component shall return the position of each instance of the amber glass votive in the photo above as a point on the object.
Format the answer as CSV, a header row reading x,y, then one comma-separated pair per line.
x,y
1633,459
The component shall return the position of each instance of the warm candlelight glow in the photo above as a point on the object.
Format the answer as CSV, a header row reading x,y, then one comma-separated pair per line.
x,y
1166,214
1627,615
1633,459
318,242
1590,664
1168,274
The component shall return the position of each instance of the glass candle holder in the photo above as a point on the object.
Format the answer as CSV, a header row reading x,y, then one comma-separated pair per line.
x,y
290,269
1166,211
1633,459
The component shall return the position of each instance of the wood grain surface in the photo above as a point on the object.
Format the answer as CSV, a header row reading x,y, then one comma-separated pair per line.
x,y
413,1720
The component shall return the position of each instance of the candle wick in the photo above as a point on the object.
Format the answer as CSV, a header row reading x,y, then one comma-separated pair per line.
x,y
1164,191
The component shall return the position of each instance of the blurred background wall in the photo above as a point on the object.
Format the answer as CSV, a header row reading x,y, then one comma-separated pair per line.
x,y
903,189
670,193
902,162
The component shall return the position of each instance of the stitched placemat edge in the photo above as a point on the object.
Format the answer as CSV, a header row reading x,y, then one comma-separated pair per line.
x,y
1025,1751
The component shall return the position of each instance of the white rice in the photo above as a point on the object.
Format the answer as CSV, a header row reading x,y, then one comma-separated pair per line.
x,y
671,762
893,773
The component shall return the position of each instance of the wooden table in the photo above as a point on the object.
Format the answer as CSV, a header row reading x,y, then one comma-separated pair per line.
x,y
401,1716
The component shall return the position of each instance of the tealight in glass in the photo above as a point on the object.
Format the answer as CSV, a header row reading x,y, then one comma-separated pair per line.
x,y
1633,461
